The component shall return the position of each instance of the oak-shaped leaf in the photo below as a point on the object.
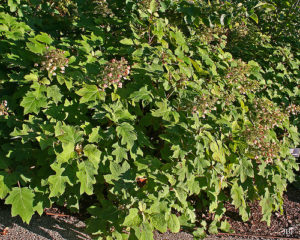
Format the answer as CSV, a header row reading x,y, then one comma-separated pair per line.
x,y
32,103
93,155
126,131
133,218
58,181
86,175
173,223
21,200
54,93
119,152
159,222
90,93
163,110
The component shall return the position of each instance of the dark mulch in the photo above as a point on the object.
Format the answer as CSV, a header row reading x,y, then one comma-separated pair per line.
x,y
285,225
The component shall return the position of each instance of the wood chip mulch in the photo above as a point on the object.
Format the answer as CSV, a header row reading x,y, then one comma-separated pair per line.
x,y
285,226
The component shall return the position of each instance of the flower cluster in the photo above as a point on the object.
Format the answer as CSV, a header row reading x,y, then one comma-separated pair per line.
x,y
3,108
260,146
265,116
146,3
237,77
212,35
114,72
101,7
53,61
63,7
293,109
205,104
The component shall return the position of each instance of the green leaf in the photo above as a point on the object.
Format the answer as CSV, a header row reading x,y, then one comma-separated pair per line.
x,y
159,222
58,182
95,136
163,110
31,103
199,233
32,77
254,17
173,223
144,231
21,200
119,152
133,218
67,153
36,47
245,169
93,155
90,93
266,204
126,41
225,226
153,6
237,195
12,5
213,229
4,190
68,134
85,174
126,131
44,38
142,94
116,169
54,93
218,152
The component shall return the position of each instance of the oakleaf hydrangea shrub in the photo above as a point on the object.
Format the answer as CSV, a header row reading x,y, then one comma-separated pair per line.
x,y
145,115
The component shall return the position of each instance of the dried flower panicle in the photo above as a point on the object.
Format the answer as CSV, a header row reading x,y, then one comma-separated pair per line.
x,y
293,109
237,77
102,7
54,61
260,146
205,104
265,117
145,4
114,73
79,149
3,108
63,7
266,114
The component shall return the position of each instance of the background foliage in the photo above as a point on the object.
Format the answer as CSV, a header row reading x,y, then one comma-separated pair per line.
x,y
151,112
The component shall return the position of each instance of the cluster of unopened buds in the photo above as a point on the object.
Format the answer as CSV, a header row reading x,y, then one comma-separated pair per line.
x,y
114,72
3,108
293,109
54,61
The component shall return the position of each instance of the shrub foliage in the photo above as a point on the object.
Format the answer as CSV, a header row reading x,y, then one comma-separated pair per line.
x,y
152,112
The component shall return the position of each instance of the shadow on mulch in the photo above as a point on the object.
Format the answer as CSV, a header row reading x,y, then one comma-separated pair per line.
x,y
44,227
